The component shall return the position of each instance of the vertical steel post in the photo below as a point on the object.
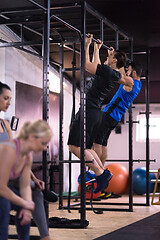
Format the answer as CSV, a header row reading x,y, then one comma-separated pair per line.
x,y
101,30
46,35
61,131
83,112
147,130
22,33
72,118
117,40
130,143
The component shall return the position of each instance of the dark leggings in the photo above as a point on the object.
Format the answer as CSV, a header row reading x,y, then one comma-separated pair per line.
x,y
5,207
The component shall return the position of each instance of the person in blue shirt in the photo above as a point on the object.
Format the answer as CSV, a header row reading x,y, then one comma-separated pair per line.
x,y
114,110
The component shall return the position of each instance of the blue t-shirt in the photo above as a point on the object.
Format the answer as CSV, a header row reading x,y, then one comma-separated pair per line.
x,y
122,100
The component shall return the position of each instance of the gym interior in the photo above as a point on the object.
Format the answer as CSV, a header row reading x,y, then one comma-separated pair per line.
x,y
42,58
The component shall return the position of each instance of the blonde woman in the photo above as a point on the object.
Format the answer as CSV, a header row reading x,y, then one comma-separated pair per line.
x,y
15,162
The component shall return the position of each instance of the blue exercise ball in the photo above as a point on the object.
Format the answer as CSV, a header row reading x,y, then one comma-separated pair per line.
x,y
139,181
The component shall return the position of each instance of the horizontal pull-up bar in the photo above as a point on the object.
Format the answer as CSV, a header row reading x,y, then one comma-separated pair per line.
x,y
64,161
66,24
70,69
75,161
77,30
133,121
144,112
95,40
126,160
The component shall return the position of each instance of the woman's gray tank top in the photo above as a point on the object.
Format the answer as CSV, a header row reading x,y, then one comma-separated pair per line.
x,y
3,135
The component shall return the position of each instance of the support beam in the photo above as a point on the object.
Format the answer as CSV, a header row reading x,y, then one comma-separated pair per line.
x,y
83,113
46,35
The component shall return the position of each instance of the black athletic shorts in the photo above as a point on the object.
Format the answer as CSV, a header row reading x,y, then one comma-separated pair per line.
x,y
107,125
93,120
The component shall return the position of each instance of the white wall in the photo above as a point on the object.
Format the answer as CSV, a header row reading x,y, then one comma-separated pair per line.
x,y
18,66
118,147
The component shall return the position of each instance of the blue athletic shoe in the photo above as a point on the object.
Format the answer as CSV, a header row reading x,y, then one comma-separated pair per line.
x,y
103,180
89,176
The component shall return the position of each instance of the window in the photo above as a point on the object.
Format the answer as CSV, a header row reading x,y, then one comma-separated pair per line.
x,y
154,128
